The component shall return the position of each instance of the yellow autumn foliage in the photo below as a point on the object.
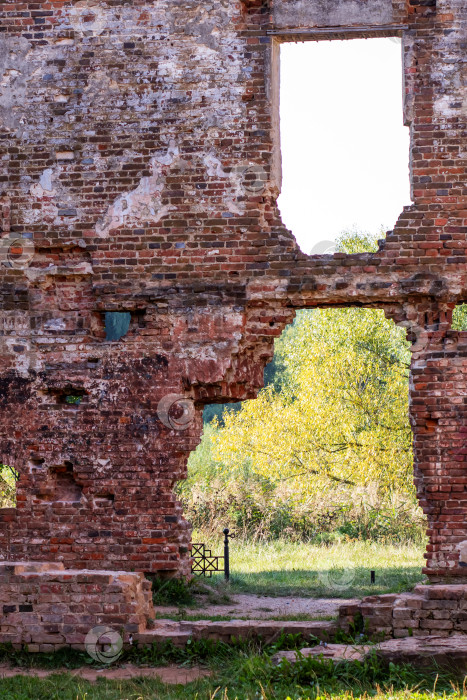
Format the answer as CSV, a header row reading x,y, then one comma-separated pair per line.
x,y
340,415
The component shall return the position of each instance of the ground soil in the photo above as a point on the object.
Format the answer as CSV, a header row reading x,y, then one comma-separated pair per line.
x,y
171,675
256,607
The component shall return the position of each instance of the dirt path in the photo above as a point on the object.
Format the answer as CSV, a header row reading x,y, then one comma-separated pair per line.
x,y
171,675
262,607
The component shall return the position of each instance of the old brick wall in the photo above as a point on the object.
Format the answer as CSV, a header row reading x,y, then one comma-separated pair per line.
x,y
126,131
47,607
430,611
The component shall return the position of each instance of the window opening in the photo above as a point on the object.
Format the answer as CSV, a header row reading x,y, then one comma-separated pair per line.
x,y
344,148
8,478
459,318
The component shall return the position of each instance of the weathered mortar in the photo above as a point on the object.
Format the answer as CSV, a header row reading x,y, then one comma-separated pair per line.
x,y
126,130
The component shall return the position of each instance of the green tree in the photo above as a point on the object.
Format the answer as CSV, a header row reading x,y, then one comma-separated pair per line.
x,y
339,413
459,318
7,487
343,416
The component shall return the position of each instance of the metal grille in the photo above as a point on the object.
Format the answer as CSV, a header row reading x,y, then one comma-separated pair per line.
x,y
204,563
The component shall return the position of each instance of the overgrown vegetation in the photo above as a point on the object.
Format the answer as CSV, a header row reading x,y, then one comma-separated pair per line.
x,y
64,687
459,318
325,452
259,509
174,591
7,487
245,671
160,653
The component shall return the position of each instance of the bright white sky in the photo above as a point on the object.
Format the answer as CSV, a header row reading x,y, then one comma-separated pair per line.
x,y
344,147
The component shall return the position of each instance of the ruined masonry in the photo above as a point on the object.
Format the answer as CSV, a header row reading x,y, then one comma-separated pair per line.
x,y
140,163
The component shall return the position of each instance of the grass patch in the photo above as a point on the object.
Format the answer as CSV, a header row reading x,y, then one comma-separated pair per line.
x,y
298,617
64,687
173,591
247,673
241,671
338,570
302,617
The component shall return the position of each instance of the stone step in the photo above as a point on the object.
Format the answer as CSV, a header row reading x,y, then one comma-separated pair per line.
x,y
226,631
31,567
163,633
446,652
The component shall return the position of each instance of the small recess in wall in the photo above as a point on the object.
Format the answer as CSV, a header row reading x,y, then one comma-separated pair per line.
x,y
117,324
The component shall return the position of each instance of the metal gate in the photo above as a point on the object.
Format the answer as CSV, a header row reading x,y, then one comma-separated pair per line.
x,y
204,563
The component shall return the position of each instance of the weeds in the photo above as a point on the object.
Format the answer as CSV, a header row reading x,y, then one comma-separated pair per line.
x,y
318,671
63,658
173,591
239,671
158,654
257,510
298,617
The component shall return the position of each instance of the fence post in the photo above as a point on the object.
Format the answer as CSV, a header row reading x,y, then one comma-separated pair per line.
x,y
226,555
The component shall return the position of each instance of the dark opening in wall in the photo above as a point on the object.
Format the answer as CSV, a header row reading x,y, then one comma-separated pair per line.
x,y
70,397
104,500
36,462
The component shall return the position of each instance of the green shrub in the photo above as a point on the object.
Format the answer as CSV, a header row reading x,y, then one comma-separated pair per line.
x,y
7,487
459,318
173,591
257,509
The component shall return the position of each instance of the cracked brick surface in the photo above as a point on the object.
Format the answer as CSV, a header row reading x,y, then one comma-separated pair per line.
x,y
48,607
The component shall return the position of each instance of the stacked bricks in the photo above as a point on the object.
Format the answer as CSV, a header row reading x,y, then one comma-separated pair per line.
x,y
432,610
228,631
46,608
